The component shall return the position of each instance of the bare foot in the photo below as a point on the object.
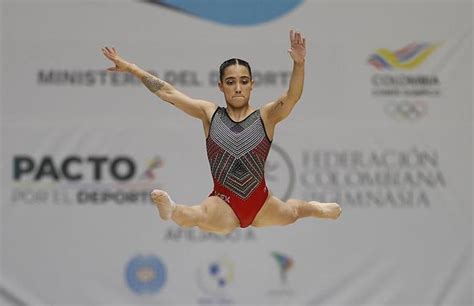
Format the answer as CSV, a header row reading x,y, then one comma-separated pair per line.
x,y
164,203
328,210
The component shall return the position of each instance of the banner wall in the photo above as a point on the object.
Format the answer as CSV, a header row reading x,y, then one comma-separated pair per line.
x,y
384,128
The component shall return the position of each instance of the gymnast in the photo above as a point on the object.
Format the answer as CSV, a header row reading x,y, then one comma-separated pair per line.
x,y
238,140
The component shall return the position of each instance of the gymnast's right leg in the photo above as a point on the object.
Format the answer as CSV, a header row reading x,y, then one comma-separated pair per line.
x,y
212,215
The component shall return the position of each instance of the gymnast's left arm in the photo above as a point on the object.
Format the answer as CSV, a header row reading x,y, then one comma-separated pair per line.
x,y
278,110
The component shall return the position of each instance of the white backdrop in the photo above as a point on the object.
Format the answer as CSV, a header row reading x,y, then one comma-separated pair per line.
x,y
82,148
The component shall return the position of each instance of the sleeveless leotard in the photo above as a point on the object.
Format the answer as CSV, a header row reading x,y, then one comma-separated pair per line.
x,y
237,152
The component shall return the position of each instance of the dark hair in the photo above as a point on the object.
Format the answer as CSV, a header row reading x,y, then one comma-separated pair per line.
x,y
230,62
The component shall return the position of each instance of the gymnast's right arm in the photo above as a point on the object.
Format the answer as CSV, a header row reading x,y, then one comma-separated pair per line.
x,y
196,108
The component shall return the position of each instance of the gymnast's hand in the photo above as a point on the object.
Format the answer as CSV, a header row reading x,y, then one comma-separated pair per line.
x,y
298,47
121,65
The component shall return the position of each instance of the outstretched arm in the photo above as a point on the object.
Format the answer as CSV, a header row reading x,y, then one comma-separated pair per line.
x,y
165,91
278,110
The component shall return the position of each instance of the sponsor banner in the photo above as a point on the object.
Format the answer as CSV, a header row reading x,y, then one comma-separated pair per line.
x,y
399,182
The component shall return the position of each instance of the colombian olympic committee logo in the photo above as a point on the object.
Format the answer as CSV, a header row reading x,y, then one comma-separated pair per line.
x,y
402,80
145,274
280,173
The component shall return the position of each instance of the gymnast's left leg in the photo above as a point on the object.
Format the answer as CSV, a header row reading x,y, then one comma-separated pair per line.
x,y
277,212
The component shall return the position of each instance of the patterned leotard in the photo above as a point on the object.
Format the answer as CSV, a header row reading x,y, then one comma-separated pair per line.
x,y
237,152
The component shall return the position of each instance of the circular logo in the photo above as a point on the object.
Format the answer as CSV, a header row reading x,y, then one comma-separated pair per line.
x,y
215,276
280,173
145,275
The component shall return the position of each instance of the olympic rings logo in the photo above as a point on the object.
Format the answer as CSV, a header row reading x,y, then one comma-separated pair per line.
x,y
406,110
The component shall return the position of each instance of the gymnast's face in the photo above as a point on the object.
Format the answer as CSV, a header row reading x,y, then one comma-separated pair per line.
x,y
236,85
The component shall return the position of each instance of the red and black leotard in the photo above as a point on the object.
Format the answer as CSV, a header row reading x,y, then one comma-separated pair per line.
x,y
237,152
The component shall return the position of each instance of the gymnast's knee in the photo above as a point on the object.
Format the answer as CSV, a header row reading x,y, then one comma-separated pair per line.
x,y
184,219
292,213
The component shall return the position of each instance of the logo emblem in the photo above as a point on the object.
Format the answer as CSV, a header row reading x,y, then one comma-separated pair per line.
x,y
285,263
280,172
145,274
153,164
406,58
232,12
215,277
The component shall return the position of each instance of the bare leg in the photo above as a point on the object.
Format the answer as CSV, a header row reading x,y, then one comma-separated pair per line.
x,y
277,212
212,215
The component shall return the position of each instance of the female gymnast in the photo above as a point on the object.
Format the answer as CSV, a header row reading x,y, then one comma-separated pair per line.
x,y
238,139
